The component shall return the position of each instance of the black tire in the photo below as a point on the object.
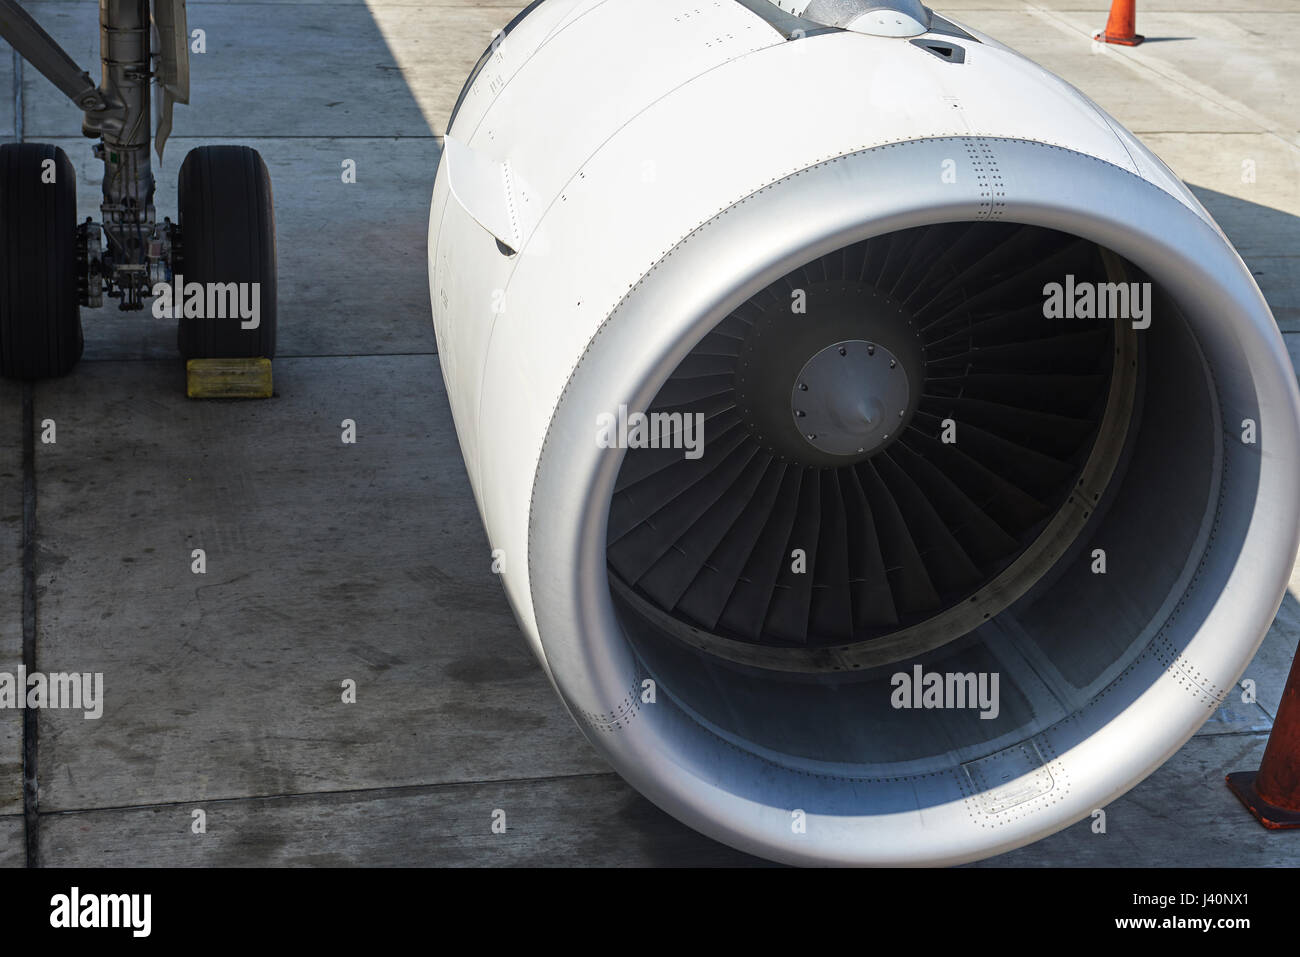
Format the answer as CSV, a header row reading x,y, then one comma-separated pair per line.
x,y
227,235
40,311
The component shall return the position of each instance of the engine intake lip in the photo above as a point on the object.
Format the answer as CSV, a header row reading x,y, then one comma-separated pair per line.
x,y
1184,663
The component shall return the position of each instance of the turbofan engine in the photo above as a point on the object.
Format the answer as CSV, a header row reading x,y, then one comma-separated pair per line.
x,y
889,459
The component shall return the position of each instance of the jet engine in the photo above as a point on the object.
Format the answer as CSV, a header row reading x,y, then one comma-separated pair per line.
x,y
885,455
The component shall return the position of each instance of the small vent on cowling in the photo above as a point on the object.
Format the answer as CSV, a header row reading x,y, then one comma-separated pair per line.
x,y
948,52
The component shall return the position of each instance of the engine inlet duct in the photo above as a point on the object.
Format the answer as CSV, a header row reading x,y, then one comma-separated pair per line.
x,y
888,458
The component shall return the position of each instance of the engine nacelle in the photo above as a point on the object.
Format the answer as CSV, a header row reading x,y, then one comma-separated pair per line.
x,y
891,460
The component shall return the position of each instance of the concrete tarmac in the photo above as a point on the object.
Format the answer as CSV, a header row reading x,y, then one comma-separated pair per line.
x,y
329,563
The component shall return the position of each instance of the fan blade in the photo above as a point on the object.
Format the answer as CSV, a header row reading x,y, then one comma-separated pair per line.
x,y
873,602
831,611
909,581
787,615
747,607
707,595
946,562
642,501
693,526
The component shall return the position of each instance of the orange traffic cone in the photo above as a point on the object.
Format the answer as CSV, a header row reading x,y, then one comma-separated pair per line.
x,y
1120,26
1273,792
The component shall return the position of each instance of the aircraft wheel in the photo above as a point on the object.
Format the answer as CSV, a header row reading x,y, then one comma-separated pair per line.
x,y
40,315
227,236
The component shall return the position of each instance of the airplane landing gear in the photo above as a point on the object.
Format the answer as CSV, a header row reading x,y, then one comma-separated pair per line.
x,y
53,265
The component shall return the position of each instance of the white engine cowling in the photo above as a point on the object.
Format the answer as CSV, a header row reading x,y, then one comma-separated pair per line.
x,y
994,495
